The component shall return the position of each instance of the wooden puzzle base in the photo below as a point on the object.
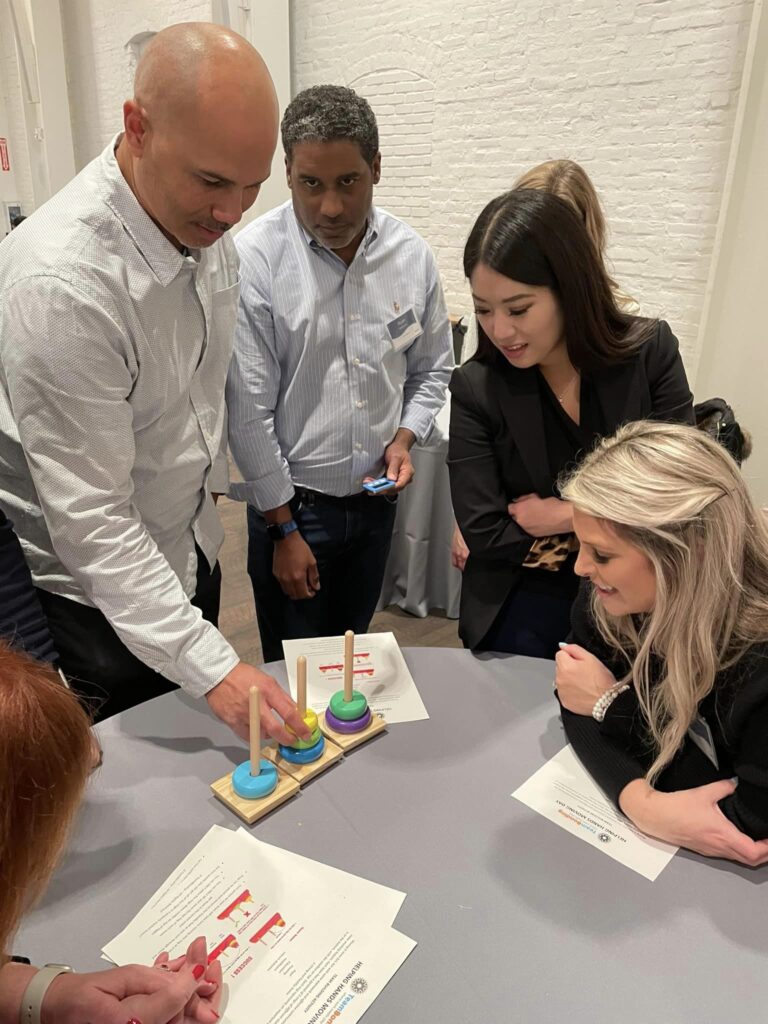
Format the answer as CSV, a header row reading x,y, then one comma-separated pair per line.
x,y
251,810
348,741
302,773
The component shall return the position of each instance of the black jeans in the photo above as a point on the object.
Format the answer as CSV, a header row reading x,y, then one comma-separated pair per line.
x,y
100,668
534,619
350,538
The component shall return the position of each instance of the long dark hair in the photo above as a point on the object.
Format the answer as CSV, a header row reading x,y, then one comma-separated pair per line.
x,y
536,238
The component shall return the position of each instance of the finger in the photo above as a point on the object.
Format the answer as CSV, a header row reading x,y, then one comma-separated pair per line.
x,y
197,952
717,791
393,467
274,697
164,1004
574,651
406,475
314,577
121,982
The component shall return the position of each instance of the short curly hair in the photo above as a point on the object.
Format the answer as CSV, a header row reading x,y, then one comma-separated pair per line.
x,y
325,113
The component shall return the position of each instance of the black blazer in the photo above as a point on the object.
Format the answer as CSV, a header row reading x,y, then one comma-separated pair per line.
x,y
497,451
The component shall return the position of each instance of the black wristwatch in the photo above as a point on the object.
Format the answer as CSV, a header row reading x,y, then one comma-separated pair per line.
x,y
279,531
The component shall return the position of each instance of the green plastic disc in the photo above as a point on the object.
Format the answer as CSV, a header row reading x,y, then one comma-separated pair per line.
x,y
348,710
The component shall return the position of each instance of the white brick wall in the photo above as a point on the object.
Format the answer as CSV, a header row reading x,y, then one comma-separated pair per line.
x,y
99,68
470,94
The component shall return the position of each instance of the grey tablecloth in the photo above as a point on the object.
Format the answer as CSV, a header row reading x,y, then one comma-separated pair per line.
x,y
517,921
419,574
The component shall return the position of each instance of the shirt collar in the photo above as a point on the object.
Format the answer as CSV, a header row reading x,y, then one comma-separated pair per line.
x,y
371,232
163,258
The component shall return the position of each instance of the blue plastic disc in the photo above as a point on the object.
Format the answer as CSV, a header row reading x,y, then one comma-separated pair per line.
x,y
303,756
254,787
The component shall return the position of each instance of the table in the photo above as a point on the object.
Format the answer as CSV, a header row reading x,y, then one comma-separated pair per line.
x,y
516,920
419,575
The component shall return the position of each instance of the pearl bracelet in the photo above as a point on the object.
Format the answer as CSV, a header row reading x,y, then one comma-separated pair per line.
x,y
603,703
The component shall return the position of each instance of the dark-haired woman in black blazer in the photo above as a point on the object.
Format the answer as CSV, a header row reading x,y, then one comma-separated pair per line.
x,y
558,365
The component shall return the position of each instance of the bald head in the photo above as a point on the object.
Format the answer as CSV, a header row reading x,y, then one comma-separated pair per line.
x,y
190,68
200,131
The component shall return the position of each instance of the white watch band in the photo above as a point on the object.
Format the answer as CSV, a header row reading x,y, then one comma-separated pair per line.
x,y
32,1000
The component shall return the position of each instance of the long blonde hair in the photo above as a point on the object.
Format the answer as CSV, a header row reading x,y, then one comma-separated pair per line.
x,y
45,756
570,182
677,496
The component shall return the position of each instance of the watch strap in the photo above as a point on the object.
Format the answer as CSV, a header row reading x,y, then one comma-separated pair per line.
x,y
278,531
32,1000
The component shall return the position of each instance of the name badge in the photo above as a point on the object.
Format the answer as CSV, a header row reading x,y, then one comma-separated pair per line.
x,y
701,734
403,330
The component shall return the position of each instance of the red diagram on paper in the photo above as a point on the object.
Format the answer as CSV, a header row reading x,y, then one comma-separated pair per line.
x,y
223,948
237,906
275,921
5,163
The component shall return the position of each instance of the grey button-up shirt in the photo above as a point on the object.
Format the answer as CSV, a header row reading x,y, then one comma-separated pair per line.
x,y
330,360
114,350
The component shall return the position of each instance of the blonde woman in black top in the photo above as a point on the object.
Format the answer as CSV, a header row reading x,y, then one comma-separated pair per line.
x,y
664,685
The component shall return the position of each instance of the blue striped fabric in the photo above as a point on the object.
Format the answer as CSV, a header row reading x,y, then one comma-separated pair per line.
x,y
316,387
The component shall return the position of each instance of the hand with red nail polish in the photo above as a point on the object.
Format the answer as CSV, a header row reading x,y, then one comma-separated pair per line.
x,y
183,991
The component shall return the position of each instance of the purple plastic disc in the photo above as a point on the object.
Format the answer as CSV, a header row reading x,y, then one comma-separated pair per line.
x,y
356,725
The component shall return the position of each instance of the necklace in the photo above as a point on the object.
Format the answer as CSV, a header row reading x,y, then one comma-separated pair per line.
x,y
564,392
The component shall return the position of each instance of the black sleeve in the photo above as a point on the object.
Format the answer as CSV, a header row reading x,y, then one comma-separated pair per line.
x,y
747,808
671,398
22,621
477,492
604,748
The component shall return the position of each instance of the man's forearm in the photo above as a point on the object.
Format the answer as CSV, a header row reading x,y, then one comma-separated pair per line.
x,y
281,514
404,438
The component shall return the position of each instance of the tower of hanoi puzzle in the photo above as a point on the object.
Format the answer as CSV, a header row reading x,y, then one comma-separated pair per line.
x,y
348,719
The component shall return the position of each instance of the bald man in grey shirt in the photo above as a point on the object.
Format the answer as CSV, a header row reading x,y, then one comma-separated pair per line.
x,y
118,306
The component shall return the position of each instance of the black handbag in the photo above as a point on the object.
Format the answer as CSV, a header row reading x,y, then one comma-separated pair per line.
x,y
718,419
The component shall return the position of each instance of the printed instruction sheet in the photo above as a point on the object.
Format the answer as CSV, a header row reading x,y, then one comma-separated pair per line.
x,y
563,791
380,673
298,941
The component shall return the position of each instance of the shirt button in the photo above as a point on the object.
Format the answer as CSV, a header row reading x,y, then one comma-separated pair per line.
x,y
360,405
358,446
356,361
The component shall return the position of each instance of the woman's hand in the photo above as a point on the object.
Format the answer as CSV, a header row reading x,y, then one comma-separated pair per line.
x,y
692,819
459,550
541,517
184,992
580,679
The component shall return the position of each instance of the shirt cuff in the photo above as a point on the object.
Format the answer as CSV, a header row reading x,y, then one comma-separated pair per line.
x,y
203,664
269,491
218,478
419,421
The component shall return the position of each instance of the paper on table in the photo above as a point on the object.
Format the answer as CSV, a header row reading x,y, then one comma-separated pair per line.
x,y
380,901
563,791
380,673
286,944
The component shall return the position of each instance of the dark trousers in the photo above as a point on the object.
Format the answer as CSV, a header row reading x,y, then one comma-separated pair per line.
x,y
534,619
350,538
100,668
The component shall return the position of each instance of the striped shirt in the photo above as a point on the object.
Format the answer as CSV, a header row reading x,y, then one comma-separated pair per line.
x,y
318,386
114,350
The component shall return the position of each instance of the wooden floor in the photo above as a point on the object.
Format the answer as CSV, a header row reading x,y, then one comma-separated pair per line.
x,y
238,619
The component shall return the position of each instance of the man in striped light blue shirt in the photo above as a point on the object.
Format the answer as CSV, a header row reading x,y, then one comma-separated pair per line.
x,y
342,359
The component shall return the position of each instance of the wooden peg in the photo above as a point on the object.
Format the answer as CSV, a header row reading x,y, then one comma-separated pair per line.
x,y
301,684
349,663
255,723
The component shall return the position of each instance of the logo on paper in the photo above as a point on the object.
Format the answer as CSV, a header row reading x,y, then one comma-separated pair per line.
x,y
359,985
604,837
